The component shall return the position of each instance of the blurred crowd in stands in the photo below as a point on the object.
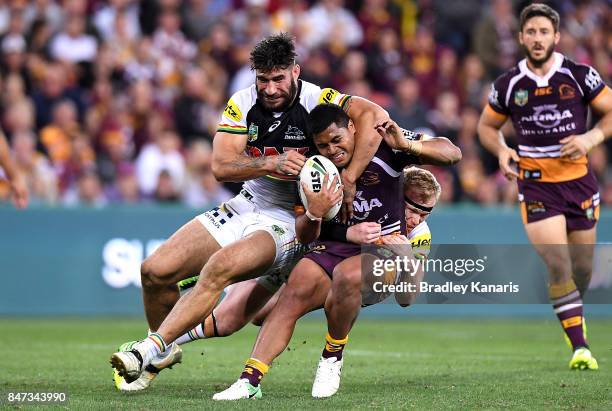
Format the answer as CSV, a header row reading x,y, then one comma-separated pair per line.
x,y
117,101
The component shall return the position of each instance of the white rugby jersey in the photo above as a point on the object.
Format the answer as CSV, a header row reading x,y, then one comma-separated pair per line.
x,y
272,133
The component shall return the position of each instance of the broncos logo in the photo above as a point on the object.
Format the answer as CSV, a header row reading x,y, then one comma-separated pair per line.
x,y
369,178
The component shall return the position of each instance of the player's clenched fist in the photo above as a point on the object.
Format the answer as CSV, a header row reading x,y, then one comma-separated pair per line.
x,y
321,202
289,163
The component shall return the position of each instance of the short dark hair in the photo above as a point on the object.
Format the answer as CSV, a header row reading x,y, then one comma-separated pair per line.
x,y
324,115
539,9
273,52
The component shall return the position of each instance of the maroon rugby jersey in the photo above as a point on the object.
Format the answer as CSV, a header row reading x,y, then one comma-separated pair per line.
x,y
544,110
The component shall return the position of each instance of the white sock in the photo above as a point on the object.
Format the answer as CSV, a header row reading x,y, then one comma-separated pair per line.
x,y
150,347
196,334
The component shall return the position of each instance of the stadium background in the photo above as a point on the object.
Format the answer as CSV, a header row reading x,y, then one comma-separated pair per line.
x,y
110,108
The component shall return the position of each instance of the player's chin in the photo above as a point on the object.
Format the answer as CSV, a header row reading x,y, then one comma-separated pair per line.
x,y
278,104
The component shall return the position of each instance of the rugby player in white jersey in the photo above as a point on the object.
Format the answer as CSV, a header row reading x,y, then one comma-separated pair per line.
x,y
262,140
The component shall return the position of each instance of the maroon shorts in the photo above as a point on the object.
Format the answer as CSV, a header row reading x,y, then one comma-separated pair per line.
x,y
577,200
329,254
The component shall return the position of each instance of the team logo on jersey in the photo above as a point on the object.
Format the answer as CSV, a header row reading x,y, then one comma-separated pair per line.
x,y
252,134
521,97
328,96
294,133
232,111
369,178
566,92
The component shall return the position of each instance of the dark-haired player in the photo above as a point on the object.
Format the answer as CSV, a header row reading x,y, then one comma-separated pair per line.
x,y
547,97
380,192
262,139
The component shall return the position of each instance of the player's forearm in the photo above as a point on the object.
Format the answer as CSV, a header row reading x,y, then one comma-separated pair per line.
x,y
439,151
491,138
240,167
5,160
364,114
307,230
603,129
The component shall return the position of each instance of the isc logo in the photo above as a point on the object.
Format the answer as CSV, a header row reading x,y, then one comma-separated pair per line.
x,y
543,91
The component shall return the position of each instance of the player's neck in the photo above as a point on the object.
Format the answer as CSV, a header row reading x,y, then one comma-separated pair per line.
x,y
541,70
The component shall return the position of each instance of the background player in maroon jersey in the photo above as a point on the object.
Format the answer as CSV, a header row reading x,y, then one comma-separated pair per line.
x,y
547,97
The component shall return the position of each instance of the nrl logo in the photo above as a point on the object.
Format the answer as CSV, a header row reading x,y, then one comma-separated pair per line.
x,y
253,129
521,97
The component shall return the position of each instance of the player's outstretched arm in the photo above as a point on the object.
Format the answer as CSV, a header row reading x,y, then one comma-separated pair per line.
x,y
577,146
436,150
19,189
230,163
491,138
364,114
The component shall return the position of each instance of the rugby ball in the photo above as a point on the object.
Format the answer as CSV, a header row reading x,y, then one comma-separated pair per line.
x,y
312,174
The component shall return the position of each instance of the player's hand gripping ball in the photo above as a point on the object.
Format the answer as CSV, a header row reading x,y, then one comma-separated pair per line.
x,y
312,174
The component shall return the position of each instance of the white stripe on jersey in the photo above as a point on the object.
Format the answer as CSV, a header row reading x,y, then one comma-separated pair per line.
x,y
549,154
567,71
390,228
513,81
386,167
540,149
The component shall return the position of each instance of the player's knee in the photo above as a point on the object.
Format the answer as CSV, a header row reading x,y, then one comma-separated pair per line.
x,y
558,267
152,275
347,282
217,273
583,269
228,325
295,301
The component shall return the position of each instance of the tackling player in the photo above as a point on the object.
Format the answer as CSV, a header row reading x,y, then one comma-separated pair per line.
x,y
547,97
309,286
262,139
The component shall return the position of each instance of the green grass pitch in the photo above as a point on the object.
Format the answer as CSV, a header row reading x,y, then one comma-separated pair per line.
x,y
415,363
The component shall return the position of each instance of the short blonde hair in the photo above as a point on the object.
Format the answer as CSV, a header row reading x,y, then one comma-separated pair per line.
x,y
423,181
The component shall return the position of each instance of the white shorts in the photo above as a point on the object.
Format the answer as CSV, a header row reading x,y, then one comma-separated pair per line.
x,y
239,217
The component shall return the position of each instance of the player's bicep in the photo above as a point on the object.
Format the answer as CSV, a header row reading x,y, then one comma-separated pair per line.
x,y
602,103
356,107
227,145
492,118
